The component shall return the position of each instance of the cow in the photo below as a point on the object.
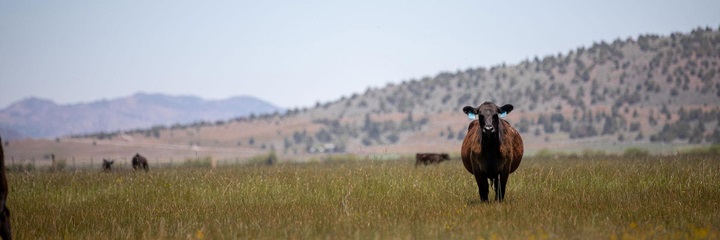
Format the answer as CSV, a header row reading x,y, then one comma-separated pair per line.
x,y
492,149
5,232
139,162
430,158
107,165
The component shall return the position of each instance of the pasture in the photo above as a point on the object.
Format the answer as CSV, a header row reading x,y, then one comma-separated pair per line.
x,y
567,198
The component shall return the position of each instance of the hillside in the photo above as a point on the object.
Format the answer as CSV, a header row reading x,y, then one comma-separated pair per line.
x,y
657,92
40,118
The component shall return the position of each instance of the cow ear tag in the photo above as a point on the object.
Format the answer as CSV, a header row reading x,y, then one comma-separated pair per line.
x,y
503,114
471,116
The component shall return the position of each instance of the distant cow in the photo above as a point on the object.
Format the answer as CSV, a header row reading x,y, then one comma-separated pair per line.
x,y
139,162
5,232
430,158
492,149
107,165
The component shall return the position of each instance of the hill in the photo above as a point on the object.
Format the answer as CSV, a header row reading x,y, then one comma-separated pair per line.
x,y
656,92
40,118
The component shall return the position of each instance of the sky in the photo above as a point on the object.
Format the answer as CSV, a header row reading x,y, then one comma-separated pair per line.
x,y
296,53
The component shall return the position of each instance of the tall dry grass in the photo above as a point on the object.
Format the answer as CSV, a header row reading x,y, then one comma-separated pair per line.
x,y
604,197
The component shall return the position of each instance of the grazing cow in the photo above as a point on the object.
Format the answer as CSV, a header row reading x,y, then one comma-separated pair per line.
x,y
430,158
139,162
492,149
5,232
107,165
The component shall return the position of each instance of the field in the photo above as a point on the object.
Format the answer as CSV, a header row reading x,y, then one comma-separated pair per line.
x,y
547,198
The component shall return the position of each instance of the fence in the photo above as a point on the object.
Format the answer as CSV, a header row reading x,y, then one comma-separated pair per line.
x,y
72,163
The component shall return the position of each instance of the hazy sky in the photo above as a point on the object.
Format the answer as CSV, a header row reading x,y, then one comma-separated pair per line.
x,y
296,53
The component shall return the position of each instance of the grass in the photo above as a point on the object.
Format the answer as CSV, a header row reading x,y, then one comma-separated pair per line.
x,y
595,198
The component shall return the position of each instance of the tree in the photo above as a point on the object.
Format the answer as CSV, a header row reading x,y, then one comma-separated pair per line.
x,y
451,133
566,126
461,134
714,137
523,126
323,136
610,126
583,131
548,127
287,144
299,136
698,133
393,138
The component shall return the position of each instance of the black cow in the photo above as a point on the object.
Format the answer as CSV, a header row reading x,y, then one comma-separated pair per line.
x,y
430,158
107,165
5,232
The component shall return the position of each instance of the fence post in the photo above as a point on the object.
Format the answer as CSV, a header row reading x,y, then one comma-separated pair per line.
x,y
91,163
73,158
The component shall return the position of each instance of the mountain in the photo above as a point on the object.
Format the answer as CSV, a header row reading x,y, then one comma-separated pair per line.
x,y
40,118
661,93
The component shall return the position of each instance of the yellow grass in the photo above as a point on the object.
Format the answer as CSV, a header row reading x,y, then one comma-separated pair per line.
x,y
595,198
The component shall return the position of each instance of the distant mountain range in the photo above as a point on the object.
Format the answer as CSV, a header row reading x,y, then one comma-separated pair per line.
x,y
41,118
650,91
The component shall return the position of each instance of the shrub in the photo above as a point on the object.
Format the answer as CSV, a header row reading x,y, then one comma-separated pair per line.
x,y
593,153
712,150
205,162
266,159
636,152
19,167
58,165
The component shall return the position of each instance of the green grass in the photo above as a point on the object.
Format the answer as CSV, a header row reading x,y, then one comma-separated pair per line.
x,y
596,198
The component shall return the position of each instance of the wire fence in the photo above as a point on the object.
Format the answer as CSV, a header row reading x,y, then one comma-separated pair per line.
x,y
75,164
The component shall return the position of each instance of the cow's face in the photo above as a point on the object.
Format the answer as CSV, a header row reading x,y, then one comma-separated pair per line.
x,y
488,115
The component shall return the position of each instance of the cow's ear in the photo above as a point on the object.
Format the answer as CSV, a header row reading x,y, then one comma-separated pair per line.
x,y
468,109
507,108
470,112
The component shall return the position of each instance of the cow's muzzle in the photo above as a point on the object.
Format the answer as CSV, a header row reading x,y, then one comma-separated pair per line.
x,y
488,129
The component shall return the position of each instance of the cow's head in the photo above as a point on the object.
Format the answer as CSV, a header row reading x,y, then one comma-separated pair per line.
x,y
488,115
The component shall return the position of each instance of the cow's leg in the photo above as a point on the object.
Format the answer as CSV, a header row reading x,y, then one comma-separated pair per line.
x,y
500,183
494,180
5,231
482,183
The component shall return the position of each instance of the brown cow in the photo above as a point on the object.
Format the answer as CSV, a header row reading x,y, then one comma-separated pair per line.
x,y
430,158
492,149
5,232
139,162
